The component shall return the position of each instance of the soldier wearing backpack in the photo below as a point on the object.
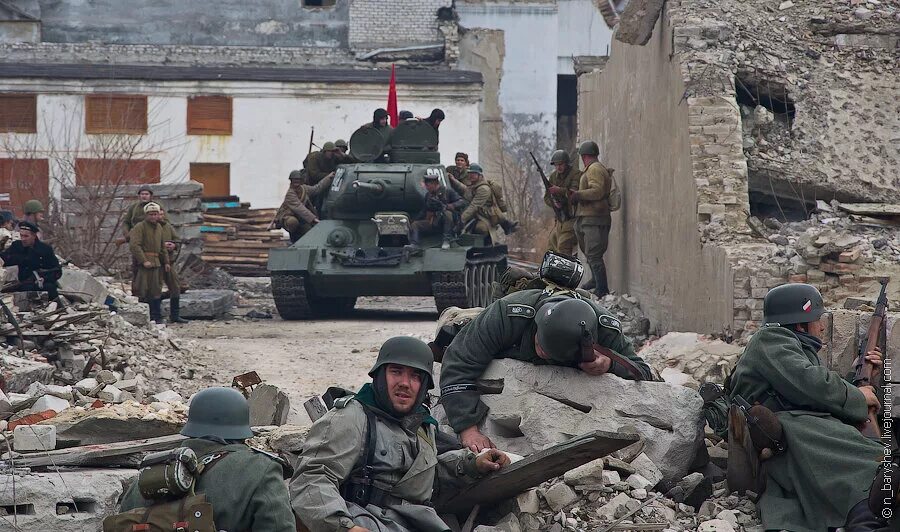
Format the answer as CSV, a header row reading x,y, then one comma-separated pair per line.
x,y
244,486
371,463
597,196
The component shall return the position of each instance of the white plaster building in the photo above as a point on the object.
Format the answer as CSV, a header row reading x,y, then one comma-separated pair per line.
x,y
269,114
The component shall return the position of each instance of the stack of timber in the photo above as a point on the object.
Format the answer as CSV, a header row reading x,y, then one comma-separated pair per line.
x,y
237,238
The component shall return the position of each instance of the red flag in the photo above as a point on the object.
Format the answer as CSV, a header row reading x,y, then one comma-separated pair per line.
x,y
392,101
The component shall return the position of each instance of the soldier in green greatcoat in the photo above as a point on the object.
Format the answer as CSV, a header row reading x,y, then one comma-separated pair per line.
x,y
593,218
299,210
148,251
822,478
171,241
245,486
134,214
537,326
563,179
383,438
320,164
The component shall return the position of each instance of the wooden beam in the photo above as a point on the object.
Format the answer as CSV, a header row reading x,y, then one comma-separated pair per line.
x,y
90,454
537,468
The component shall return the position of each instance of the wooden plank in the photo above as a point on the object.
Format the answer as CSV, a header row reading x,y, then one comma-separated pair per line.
x,y
537,468
76,456
871,209
225,258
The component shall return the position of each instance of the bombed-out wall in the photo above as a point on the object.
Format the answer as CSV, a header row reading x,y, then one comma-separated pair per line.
x,y
635,111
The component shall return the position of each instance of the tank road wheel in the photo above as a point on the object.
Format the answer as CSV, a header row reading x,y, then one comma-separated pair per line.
x,y
289,292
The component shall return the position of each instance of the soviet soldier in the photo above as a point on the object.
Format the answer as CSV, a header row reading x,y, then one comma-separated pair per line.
x,y
134,214
458,171
245,486
320,164
298,213
435,118
483,204
33,257
822,478
171,242
147,244
563,179
342,146
536,326
34,212
371,463
592,213
405,115
442,207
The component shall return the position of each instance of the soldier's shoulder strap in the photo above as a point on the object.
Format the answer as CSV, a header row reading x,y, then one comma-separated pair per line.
x,y
342,402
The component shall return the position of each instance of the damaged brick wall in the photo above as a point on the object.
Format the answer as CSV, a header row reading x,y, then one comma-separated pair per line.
x,y
376,24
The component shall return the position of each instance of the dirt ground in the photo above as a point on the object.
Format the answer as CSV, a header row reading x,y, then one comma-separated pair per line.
x,y
303,358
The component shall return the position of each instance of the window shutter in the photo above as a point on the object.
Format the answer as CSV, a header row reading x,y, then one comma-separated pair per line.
x,y
209,115
112,172
24,179
18,113
113,113
215,177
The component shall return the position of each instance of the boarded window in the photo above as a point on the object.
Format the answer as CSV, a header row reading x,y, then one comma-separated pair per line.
x,y
215,177
110,172
22,180
318,3
209,115
112,113
18,113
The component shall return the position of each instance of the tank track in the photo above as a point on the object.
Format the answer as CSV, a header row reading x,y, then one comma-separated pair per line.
x,y
450,288
289,292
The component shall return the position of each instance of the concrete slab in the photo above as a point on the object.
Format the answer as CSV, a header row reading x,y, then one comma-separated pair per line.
x,y
79,285
204,304
34,438
70,501
18,373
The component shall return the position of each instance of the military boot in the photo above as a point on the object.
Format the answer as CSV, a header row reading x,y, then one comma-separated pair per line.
x,y
509,227
602,287
156,311
175,311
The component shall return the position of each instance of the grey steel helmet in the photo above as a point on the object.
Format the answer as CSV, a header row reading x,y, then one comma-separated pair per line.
x,y
475,168
406,351
793,303
559,156
219,412
589,147
561,325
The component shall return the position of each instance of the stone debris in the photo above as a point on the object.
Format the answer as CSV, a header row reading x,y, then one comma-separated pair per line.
x,y
34,438
204,304
699,358
627,310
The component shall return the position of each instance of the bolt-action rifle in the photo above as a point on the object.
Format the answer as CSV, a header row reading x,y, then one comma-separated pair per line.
x,y
866,373
558,209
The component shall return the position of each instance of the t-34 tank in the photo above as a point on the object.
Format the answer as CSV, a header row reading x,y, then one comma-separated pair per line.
x,y
360,246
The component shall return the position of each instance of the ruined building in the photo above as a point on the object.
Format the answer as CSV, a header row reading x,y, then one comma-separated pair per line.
x,y
734,129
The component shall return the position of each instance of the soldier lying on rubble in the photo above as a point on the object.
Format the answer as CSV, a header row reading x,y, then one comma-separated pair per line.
x,y
245,486
371,463
537,326
821,478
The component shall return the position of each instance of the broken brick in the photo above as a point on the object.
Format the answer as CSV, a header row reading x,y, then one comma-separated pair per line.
x,y
849,256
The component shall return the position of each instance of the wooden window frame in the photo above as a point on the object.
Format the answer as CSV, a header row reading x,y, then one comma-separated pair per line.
x,y
84,168
31,125
92,100
197,125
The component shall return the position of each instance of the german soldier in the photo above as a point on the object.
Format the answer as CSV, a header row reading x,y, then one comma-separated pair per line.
x,y
245,486
371,463
592,214
148,249
536,326
33,257
171,241
822,478
563,179
298,213
442,207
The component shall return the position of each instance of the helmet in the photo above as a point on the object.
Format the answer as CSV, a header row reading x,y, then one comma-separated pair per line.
x,y
793,303
475,168
33,206
220,412
406,351
589,147
405,115
145,188
329,146
561,326
559,156
297,174
340,143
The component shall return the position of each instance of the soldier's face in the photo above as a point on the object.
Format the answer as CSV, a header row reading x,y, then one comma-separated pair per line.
x,y
342,149
145,195
382,121
329,154
817,328
27,237
432,186
461,163
403,385
154,217
560,167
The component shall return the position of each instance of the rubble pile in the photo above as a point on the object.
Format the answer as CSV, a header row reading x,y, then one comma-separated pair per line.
x,y
628,311
690,359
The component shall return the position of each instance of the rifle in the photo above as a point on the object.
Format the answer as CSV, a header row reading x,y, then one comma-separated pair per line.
x,y
865,371
558,210
312,131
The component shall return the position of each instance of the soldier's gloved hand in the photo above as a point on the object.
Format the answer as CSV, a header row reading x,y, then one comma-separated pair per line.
x,y
474,440
491,460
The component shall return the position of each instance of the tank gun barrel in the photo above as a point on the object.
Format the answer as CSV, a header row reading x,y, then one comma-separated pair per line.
x,y
375,188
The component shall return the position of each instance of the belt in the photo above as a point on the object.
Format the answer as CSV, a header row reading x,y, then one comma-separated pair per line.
x,y
151,254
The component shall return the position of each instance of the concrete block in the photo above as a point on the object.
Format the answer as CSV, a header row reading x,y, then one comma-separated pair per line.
x,y
528,502
19,373
589,473
167,396
268,406
84,386
34,438
38,389
49,402
111,394
647,469
66,501
616,505
610,477
636,481
79,285
107,377
559,496
205,304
